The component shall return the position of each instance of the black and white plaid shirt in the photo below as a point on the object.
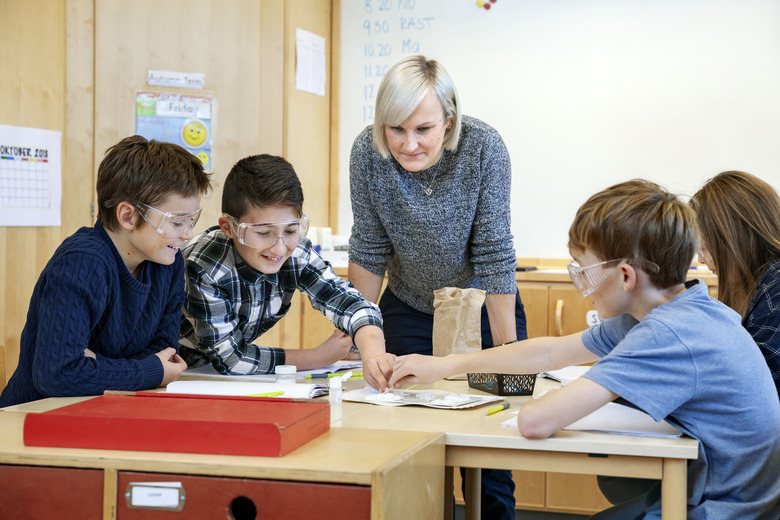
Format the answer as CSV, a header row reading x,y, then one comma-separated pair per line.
x,y
229,304
762,319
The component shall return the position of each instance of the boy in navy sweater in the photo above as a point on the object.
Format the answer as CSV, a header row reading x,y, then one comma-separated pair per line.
x,y
105,311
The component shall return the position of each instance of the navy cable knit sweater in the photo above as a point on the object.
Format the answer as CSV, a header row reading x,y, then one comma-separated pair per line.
x,y
86,298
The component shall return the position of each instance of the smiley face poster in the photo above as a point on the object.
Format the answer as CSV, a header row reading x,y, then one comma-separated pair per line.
x,y
176,118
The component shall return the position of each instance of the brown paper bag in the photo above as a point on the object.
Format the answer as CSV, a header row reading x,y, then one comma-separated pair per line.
x,y
457,320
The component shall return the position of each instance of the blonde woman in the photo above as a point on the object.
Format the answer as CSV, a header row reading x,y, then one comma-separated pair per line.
x,y
430,199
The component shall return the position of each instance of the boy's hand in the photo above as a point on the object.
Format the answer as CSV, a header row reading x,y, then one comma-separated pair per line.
x,y
173,365
378,369
416,368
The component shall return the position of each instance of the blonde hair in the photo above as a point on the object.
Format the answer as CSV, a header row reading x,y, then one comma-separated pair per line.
x,y
739,220
638,220
403,89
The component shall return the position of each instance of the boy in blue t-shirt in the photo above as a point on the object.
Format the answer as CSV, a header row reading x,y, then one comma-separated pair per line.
x,y
664,345
105,312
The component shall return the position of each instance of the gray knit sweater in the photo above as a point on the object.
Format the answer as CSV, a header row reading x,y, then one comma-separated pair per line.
x,y
459,236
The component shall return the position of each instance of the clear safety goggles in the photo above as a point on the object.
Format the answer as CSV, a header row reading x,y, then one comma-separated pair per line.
x,y
169,225
588,279
265,235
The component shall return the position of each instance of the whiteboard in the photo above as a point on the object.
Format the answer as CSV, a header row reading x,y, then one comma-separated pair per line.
x,y
585,93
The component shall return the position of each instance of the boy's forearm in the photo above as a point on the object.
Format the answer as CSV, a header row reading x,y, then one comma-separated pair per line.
x,y
370,341
524,357
540,418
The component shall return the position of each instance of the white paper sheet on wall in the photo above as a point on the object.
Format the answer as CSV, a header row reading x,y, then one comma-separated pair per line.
x,y
310,62
30,176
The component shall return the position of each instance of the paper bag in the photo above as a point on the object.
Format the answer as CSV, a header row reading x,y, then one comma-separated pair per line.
x,y
457,320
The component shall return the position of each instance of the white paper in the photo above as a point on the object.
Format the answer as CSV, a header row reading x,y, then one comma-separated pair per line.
x,y
208,371
30,176
242,388
155,494
430,398
617,418
310,62
566,375
169,78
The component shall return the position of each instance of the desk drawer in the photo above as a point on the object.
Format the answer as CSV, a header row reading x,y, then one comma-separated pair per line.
x,y
216,498
37,492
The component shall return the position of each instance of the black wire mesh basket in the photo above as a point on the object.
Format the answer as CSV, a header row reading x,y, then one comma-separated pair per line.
x,y
503,384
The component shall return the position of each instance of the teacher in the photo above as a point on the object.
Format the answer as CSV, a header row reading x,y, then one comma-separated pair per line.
x,y
430,196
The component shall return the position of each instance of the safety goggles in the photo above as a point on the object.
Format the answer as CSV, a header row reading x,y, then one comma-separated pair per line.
x,y
169,225
265,235
588,279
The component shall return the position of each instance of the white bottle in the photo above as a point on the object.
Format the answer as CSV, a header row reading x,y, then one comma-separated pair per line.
x,y
285,373
334,390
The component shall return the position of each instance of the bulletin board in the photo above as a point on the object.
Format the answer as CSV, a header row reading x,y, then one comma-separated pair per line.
x,y
585,93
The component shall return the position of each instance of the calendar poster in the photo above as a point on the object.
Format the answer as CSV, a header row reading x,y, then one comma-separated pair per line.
x,y
30,176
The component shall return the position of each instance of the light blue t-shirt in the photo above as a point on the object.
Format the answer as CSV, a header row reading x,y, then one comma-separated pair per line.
x,y
691,362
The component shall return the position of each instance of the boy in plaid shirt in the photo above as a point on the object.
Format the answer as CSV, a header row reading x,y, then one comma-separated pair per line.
x,y
242,274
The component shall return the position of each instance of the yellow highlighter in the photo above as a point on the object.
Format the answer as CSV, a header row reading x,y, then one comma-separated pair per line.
x,y
497,409
267,394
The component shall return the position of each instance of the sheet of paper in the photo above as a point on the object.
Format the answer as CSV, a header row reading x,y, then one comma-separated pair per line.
x,y
617,418
430,398
30,176
295,390
310,62
566,375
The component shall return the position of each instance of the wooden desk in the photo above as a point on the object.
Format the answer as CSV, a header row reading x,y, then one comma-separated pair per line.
x,y
477,441
402,471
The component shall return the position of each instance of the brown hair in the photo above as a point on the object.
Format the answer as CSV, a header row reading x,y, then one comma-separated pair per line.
x,y
739,221
261,181
638,220
138,170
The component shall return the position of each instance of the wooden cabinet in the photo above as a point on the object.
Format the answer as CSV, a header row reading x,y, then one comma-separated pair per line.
x,y
553,307
212,497
378,474
30,492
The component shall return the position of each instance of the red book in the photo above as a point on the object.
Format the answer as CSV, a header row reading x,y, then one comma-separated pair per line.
x,y
181,423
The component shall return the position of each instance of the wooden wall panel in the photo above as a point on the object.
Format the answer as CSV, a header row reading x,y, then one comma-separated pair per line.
x,y
32,50
307,115
219,39
75,66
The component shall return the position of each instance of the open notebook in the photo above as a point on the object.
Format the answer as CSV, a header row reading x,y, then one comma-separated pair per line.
x,y
291,390
209,372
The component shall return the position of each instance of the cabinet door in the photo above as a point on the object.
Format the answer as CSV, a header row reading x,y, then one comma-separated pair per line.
x,y
568,311
219,497
529,489
574,494
33,492
315,327
534,298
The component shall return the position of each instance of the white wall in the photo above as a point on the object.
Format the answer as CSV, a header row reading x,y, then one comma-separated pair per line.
x,y
585,93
